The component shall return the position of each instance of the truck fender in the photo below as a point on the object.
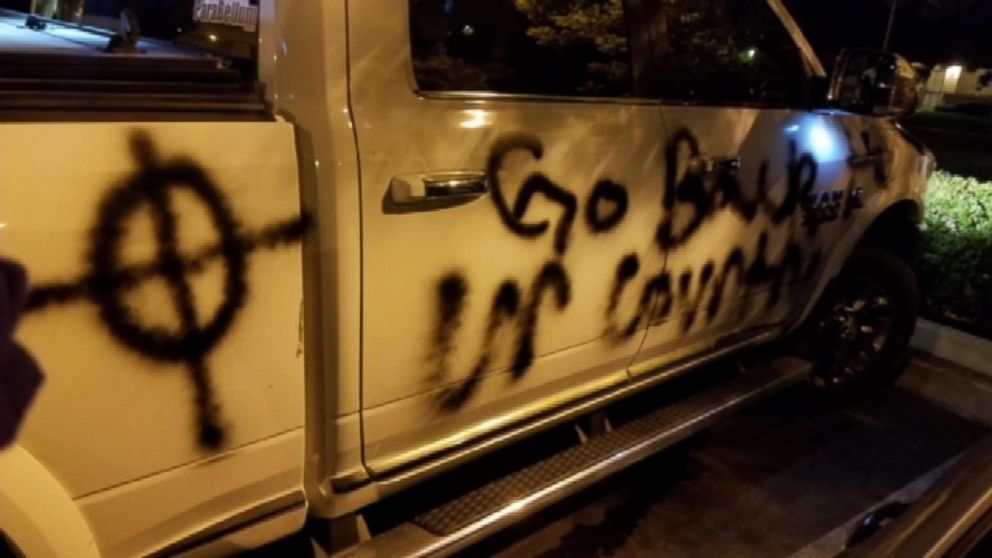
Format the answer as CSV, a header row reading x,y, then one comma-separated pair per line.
x,y
37,515
846,245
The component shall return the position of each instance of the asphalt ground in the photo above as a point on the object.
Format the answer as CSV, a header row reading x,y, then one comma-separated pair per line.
x,y
770,482
789,477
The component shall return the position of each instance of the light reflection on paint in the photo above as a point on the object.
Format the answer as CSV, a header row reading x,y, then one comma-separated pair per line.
x,y
816,137
821,141
476,118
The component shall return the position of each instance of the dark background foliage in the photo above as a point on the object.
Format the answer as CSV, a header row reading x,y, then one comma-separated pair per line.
x,y
927,31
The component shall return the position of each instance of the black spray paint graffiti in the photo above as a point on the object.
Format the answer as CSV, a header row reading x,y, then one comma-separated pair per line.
x,y
876,158
505,310
660,294
536,183
606,207
706,193
551,278
109,278
691,292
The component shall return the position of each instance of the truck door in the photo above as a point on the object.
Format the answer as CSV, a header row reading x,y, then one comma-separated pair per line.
x,y
743,162
509,185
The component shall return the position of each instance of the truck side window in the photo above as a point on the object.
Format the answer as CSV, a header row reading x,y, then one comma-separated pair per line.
x,y
540,47
723,52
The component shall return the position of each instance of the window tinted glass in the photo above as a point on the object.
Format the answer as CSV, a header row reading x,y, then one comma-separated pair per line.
x,y
548,47
723,52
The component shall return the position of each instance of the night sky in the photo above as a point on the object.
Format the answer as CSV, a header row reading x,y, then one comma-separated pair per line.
x,y
927,31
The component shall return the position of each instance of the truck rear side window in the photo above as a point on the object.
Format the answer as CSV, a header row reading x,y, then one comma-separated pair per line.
x,y
80,51
539,47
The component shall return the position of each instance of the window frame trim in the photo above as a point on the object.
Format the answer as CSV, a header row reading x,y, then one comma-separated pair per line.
x,y
495,96
799,38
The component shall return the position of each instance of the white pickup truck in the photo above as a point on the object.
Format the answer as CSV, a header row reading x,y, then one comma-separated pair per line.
x,y
312,260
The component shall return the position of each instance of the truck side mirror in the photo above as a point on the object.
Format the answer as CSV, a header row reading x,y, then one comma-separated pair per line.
x,y
875,83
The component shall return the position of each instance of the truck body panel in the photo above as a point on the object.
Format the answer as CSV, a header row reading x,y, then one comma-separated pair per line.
x,y
124,228
381,279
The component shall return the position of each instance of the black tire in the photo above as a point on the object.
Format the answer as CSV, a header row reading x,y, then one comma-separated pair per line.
x,y
858,335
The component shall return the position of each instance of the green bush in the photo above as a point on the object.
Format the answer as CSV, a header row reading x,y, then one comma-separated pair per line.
x,y
956,264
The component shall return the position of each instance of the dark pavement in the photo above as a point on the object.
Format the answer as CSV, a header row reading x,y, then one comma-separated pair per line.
x,y
767,483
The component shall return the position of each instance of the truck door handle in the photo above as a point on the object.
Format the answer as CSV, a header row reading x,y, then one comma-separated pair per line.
x,y
442,186
702,164
458,183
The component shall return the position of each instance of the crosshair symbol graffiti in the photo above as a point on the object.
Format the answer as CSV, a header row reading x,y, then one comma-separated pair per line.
x,y
110,278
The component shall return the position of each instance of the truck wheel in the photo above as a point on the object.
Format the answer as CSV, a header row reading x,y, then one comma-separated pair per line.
x,y
863,323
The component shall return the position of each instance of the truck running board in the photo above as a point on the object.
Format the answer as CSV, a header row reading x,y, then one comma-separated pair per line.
x,y
473,516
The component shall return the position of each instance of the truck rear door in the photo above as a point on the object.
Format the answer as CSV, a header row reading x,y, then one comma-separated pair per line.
x,y
156,207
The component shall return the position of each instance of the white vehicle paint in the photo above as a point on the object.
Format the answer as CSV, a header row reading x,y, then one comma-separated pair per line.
x,y
428,330
113,425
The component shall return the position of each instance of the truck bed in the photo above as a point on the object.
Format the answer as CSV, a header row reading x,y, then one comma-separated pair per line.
x,y
63,69
63,38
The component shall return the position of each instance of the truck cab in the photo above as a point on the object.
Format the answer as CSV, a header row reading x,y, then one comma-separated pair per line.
x,y
302,260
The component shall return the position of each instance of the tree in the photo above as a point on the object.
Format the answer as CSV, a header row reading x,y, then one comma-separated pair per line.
x,y
596,25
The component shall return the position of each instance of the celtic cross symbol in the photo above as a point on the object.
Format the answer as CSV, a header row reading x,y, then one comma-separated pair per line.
x,y
110,278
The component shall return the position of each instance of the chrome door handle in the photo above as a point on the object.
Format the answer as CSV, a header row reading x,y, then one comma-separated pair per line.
x,y
452,186
702,164
457,183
